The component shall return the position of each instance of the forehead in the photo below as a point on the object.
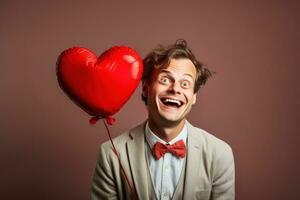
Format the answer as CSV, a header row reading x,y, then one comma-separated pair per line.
x,y
179,67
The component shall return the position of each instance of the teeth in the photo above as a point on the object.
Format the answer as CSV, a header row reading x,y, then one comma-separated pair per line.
x,y
173,101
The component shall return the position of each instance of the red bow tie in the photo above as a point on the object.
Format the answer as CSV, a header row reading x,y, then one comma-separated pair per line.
x,y
178,149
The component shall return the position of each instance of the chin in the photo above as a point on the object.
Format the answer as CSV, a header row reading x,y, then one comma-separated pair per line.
x,y
171,119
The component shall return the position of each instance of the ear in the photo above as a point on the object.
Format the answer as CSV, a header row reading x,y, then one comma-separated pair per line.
x,y
194,98
145,88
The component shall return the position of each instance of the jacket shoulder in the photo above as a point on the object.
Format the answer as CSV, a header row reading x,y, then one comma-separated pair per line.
x,y
209,141
121,140
118,141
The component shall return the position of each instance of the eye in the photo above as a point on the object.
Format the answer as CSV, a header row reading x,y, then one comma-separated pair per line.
x,y
185,84
164,80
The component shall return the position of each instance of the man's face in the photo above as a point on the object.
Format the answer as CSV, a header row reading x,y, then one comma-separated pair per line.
x,y
171,92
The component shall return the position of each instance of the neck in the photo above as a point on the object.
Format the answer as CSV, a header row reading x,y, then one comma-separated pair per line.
x,y
166,132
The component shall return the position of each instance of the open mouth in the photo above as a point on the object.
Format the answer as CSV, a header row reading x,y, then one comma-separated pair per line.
x,y
171,102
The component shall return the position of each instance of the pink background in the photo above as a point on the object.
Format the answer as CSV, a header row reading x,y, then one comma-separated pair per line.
x,y
47,147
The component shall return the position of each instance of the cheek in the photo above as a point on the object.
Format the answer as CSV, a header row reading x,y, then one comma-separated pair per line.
x,y
157,89
153,93
190,95
191,100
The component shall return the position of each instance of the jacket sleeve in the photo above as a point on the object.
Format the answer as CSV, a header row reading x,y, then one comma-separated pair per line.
x,y
103,182
223,186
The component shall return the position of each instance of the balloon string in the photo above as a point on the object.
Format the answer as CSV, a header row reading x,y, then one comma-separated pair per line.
x,y
134,195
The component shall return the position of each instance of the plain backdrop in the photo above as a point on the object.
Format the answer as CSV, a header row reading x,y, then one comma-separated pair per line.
x,y
48,149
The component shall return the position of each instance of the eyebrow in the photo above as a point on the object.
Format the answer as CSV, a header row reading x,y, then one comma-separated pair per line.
x,y
170,73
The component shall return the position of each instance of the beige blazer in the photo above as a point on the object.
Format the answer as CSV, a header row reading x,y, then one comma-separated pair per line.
x,y
208,173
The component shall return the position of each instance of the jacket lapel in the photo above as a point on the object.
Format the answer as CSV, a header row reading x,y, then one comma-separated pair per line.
x,y
192,160
137,160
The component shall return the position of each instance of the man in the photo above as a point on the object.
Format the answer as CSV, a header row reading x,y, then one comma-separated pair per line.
x,y
166,157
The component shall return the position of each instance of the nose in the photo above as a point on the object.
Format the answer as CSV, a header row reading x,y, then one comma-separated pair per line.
x,y
175,88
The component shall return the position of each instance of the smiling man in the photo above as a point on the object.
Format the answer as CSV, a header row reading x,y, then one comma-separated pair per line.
x,y
166,157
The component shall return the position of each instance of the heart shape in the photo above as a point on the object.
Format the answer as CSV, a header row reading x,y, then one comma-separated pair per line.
x,y
100,86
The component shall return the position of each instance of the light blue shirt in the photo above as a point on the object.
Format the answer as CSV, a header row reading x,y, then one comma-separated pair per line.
x,y
165,172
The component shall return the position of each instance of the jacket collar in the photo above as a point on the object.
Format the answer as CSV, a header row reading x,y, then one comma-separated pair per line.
x,y
139,167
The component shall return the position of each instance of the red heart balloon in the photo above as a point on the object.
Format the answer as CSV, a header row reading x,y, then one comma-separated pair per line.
x,y
99,86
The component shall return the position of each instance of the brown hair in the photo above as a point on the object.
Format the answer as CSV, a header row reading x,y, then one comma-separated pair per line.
x,y
161,56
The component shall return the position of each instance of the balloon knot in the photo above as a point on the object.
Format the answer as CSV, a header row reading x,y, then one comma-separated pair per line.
x,y
110,120
94,120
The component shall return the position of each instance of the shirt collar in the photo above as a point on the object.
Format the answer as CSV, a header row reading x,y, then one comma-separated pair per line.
x,y
152,138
